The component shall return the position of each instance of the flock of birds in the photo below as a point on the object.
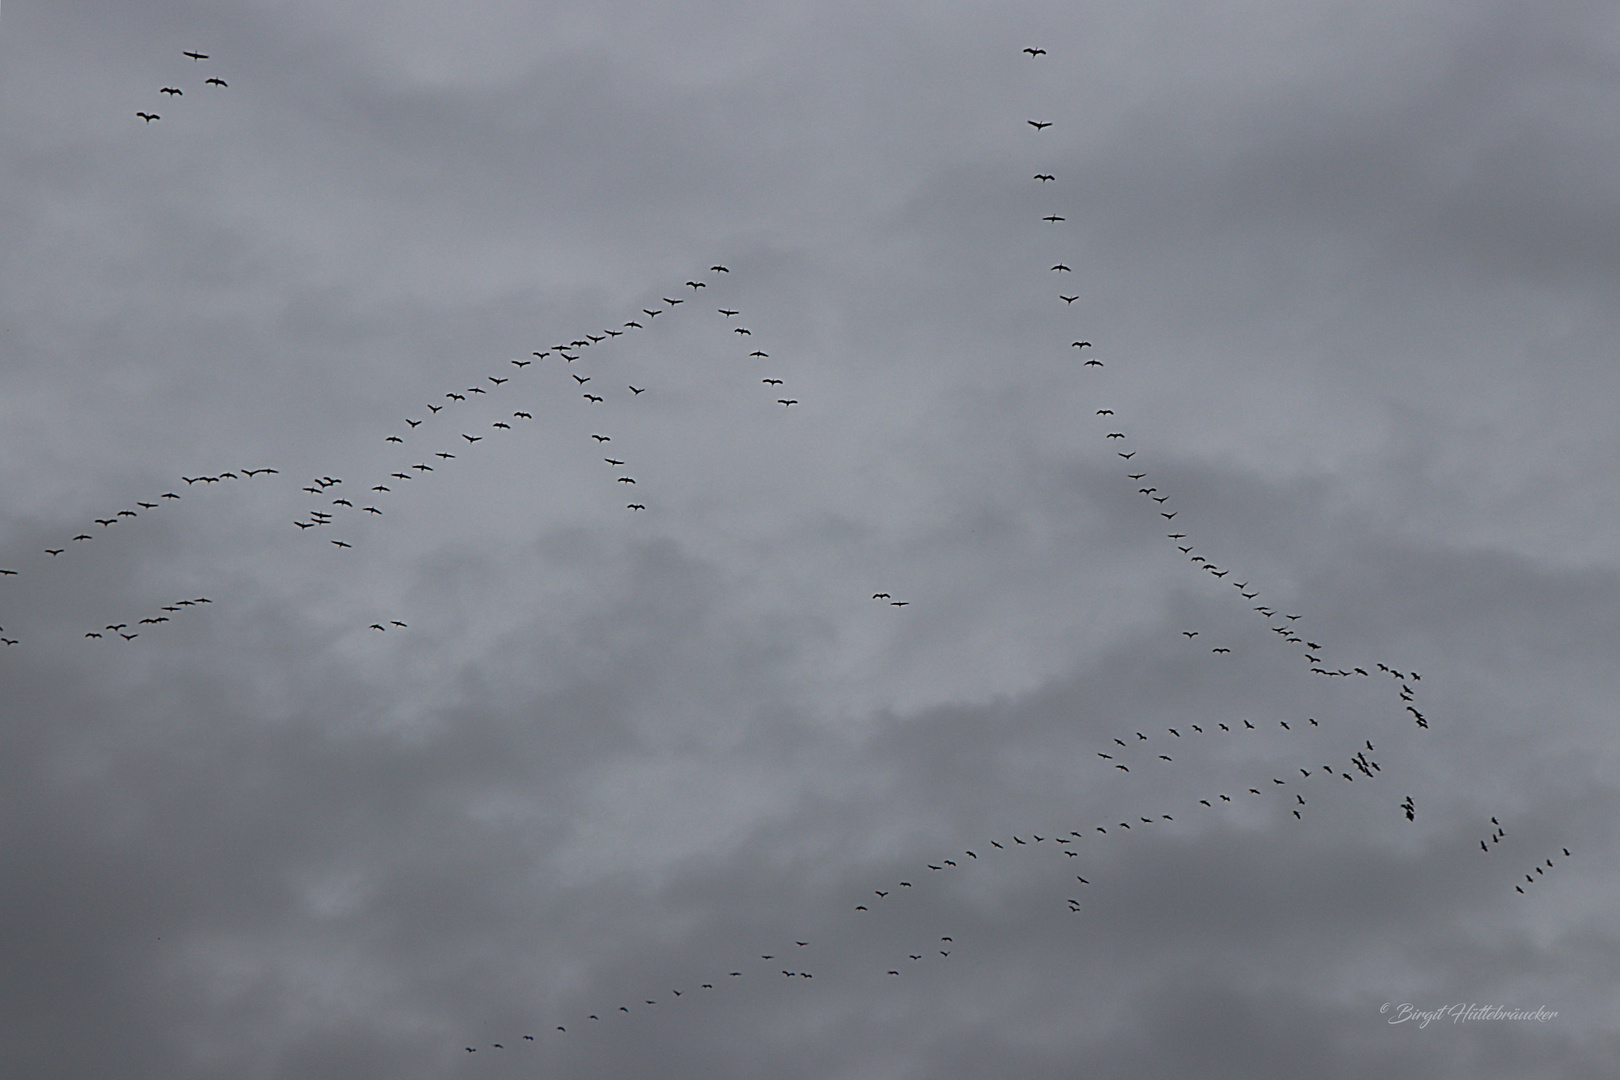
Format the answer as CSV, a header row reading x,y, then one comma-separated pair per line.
x,y
1142,754
429,424
334,510
172,92
439,435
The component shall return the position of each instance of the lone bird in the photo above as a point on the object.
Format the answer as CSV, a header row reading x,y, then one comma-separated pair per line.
x,y
1038,125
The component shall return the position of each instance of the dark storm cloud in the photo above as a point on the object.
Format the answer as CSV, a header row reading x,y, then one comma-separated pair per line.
x,y
1346,269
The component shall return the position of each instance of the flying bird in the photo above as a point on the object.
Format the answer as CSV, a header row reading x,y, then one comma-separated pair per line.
x,y
1036,52
174,91
195,56
1038,125
215,82
148,117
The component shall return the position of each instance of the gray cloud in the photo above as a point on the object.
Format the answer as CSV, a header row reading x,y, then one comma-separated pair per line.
x,y
1347,273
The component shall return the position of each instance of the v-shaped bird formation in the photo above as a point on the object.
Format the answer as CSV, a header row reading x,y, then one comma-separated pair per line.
x,y
1289,764
1296,762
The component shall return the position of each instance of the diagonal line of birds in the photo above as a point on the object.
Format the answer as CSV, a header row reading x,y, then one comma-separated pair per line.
x,y
331,505
439,435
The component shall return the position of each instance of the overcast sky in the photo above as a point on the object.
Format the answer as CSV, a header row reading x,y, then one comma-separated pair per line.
x,y
1348,273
